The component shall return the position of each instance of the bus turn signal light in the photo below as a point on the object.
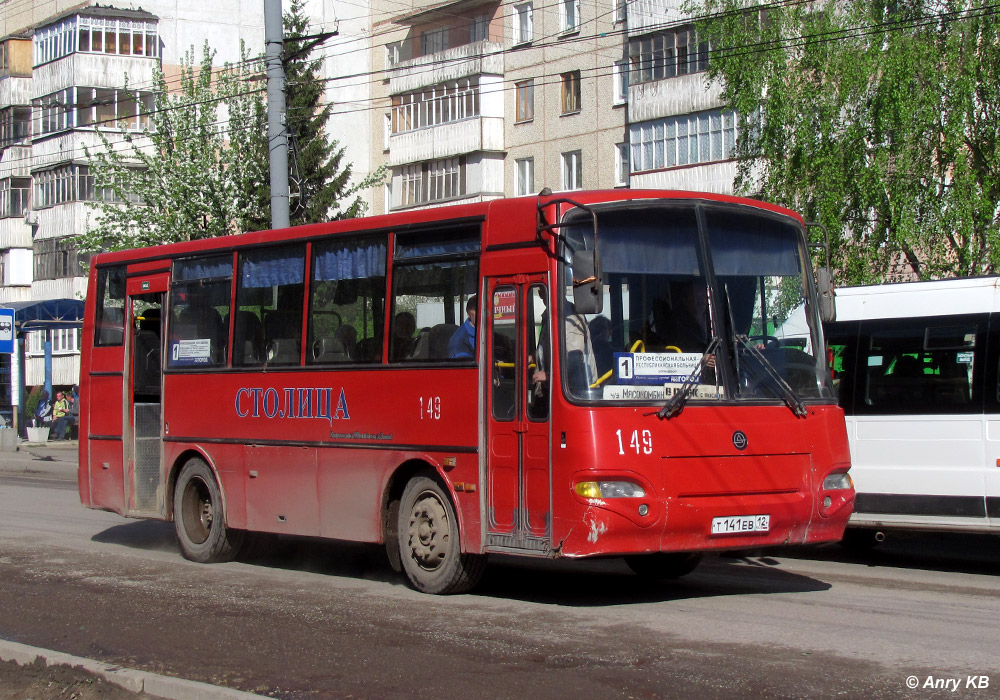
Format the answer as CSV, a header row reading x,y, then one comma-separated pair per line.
x,y
609,489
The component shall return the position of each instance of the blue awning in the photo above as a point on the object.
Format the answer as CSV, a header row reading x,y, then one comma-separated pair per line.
x,y
52,313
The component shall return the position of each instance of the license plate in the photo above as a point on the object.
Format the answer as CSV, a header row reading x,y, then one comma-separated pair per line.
x,y
739,524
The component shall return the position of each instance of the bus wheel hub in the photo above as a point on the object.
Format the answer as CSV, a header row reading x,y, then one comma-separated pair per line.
x,y
428,532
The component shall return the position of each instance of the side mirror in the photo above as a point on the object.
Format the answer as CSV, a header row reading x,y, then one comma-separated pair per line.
x,y
827,295
588,297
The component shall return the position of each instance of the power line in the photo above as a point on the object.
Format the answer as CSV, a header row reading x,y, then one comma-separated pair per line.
x,y
551,78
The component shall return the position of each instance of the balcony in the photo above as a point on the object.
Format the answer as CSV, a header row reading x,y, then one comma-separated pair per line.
x,y
652,15
451,64
14,233
94,70
447,140
680,95
15,90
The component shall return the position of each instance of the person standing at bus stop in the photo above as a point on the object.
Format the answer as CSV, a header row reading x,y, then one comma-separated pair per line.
x,y
72,414
59,411
462,343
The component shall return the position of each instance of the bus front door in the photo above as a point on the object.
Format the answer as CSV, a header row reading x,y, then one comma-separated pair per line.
x,y
143,382
518,483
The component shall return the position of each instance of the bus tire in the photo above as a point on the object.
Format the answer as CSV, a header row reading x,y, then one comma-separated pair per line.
x,y
429,546
664,565
199,519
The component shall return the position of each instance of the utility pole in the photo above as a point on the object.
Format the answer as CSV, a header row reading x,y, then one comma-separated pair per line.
x,y
277,137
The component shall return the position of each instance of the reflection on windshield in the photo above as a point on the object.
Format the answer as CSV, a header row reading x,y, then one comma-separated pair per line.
x,y
661,308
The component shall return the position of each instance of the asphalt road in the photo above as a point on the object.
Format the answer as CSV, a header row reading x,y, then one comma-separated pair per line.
x,y
329,620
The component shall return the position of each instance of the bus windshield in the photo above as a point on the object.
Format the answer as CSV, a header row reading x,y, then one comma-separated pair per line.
x,y
709,299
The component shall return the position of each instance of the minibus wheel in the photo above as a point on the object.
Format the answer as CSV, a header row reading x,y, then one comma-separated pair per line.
x,y
199,519
429,546
664,564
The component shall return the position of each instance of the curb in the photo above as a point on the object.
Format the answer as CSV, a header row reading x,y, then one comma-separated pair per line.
x,y
130,679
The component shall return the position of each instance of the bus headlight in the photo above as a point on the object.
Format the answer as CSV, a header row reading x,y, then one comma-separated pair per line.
x,y
837,482
609,489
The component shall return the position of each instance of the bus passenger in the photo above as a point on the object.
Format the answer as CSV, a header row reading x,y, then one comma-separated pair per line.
x,y
604,351
348,337
463,341
403,328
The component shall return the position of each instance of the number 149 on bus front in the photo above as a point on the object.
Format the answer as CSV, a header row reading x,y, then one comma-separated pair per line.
x,y
640,442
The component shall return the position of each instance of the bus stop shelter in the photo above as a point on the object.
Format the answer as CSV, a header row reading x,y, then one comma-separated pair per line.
x,y
48,315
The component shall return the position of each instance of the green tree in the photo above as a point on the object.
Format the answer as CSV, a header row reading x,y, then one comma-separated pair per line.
x,y
876,118
319,179
186,177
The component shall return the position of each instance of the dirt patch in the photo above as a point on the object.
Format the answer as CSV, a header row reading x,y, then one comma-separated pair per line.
x,y
40,682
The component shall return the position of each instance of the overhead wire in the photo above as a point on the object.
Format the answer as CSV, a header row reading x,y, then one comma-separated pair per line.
x,y
555,78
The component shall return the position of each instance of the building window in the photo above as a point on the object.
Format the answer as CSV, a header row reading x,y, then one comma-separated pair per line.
x,y
622,165
666,55
522,23
569,15
65,183
65,341
620,71
479,29
571,92
525,176
432,181
685,140
440,104
621,10
15,126
14,193
525,100
572,171
80,107
433,41
58,258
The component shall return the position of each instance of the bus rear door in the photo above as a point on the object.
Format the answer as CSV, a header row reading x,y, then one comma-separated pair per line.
x,y
518,482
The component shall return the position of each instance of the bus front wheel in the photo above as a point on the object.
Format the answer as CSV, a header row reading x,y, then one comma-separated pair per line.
x,y
663,564
198,517
429,546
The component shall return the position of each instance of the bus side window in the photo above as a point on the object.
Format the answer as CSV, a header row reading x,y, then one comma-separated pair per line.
x,y
921,368
110,321
435,273
198,329
269,300
347,301
539,349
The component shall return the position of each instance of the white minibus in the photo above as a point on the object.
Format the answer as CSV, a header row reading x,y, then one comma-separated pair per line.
x,y
916,368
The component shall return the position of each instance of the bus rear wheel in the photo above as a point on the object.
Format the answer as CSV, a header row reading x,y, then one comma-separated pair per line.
x,y
199,519
429,546
663,565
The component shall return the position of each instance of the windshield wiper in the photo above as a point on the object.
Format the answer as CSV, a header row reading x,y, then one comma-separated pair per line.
x,y
788,394
675,405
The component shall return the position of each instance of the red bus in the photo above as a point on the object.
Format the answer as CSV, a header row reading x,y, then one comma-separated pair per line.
x,y
624,373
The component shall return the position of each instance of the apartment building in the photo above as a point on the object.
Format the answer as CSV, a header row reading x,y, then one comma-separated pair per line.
x,y
489,98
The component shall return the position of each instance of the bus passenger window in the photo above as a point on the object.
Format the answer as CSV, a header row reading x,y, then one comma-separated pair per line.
x,y
921,369
347,301
503,315
199,308
434,275
269,301
537,386
110,321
